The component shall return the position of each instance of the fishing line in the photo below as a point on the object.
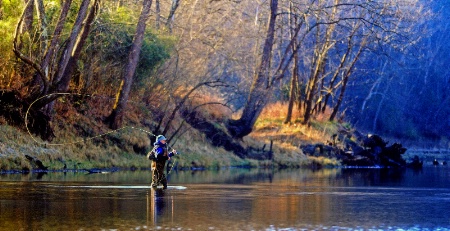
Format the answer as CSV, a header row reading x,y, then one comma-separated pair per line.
x,y
79,141
86,139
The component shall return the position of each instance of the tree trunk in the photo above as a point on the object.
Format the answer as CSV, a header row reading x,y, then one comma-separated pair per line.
x,y
294,78
313,82
292,90
321,55
1,9
338,70
261,89
72,42
70,55
27,24
158,14
170,18
81,39
42,25
54,43
116,117
345,80
21,28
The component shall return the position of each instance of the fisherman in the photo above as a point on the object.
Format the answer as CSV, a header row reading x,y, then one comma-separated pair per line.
x,y
159,155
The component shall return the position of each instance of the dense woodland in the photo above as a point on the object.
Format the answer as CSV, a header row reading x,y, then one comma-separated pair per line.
x,y
379,65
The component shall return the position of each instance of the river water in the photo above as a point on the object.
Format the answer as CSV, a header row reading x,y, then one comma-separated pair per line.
x,y
229,199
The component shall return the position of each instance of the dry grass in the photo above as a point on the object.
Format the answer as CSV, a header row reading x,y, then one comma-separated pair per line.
x,y
210,107
287,138
270,126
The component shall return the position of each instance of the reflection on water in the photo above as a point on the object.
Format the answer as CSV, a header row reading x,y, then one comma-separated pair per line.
x,y
231,199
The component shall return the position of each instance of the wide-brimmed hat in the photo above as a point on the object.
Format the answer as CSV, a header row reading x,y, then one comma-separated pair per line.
x,y
160,138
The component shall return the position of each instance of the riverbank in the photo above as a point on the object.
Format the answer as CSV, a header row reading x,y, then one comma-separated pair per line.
x,y
82,143
118,151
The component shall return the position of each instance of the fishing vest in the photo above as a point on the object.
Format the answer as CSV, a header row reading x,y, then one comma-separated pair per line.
x,y
152,155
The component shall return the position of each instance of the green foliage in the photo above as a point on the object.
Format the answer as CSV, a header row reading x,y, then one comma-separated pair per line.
x,y
12,9
111,39
11,13
153,52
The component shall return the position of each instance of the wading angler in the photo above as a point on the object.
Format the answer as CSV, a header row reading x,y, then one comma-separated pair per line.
x,y
159,156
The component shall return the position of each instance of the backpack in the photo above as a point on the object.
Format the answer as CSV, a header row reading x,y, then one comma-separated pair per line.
x,y
152,155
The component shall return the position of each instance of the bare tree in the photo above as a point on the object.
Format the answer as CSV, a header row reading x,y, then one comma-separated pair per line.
x,y
261,89
293,86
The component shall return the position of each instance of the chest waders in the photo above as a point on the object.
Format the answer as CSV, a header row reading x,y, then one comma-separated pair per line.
x,y
158,176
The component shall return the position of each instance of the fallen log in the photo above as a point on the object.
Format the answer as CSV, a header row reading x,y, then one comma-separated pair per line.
x,y
356,149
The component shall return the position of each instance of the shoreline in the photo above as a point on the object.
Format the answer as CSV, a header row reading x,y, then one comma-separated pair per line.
x,y
132,169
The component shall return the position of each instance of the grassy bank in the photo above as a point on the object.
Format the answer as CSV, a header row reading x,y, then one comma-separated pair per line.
x,y
76,154
82,141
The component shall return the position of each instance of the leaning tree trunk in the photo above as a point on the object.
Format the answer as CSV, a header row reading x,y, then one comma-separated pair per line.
x,y
294,78
261,87
115,119
292,91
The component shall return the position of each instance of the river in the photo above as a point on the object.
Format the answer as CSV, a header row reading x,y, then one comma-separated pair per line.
x,y
229,199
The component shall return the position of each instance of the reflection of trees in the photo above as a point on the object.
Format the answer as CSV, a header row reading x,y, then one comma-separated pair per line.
x,y
267,197
37,206
369,177
233,175
307,204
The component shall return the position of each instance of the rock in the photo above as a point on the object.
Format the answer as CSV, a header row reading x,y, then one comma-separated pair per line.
x,y
37,162
416,163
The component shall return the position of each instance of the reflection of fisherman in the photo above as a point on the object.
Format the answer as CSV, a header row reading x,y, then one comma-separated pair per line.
x,y
160,206
159,155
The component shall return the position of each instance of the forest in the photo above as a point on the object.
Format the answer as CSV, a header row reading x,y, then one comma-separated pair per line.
x,y
379,65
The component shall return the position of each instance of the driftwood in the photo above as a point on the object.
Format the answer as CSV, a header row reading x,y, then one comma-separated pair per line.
x,y
356,149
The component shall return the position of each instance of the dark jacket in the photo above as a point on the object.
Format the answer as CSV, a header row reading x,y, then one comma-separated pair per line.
x,y
161,152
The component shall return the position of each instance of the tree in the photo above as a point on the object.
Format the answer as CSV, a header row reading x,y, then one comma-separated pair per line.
x,y
171,17
115,119
53,72
293,86
261,86
58,80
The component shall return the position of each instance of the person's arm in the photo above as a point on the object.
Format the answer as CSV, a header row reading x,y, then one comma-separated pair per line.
x,y
173,153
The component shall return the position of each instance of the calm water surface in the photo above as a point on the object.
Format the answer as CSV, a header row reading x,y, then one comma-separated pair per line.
x,y
231,199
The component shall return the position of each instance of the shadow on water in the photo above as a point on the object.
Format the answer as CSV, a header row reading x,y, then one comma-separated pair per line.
x,y
229,199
